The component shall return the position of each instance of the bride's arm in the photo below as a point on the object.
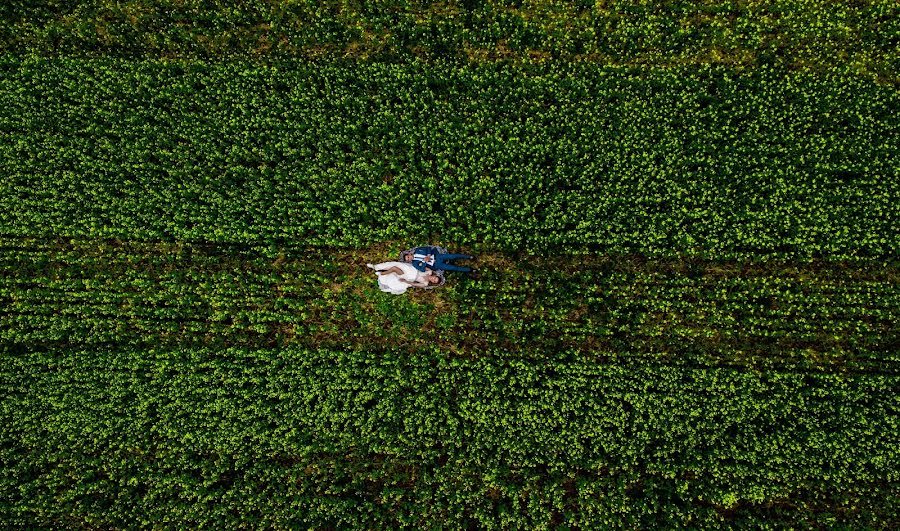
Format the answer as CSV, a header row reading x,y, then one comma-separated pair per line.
x,y
393,269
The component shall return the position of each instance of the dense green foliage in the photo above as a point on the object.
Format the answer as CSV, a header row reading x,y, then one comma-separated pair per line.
x,y
197,384
704,162
187,437
859,36
685,215
93,293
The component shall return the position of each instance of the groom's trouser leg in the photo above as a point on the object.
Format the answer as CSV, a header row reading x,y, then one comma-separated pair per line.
x,y
441,264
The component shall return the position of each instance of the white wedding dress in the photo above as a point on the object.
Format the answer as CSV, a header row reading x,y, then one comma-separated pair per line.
x,y
392,282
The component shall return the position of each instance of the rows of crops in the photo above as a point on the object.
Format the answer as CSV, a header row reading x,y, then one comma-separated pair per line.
x,y
858,36
815,316
684,213
370,437
658,162
209,384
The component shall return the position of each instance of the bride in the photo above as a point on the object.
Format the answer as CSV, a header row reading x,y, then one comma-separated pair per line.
x,y
396,277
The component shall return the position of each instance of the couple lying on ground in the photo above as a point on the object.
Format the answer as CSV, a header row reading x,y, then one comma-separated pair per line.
x,y
420,267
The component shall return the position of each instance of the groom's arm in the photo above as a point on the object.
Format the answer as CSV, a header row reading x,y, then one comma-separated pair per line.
x,y
427,250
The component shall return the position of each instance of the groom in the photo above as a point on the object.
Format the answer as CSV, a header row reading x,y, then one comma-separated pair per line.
x,y
423,258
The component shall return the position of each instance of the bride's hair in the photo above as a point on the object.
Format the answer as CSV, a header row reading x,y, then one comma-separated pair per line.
x,y
441,280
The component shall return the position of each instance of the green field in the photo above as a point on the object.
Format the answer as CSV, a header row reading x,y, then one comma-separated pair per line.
x,y
685,217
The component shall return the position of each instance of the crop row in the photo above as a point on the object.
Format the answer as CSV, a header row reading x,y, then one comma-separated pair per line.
x,y
817,316
551,158
796,33
293,436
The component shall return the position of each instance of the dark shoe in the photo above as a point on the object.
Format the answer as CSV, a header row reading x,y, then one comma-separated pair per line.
x,y
475,274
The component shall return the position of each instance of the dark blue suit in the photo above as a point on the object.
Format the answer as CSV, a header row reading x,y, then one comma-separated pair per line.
x,y
440,260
